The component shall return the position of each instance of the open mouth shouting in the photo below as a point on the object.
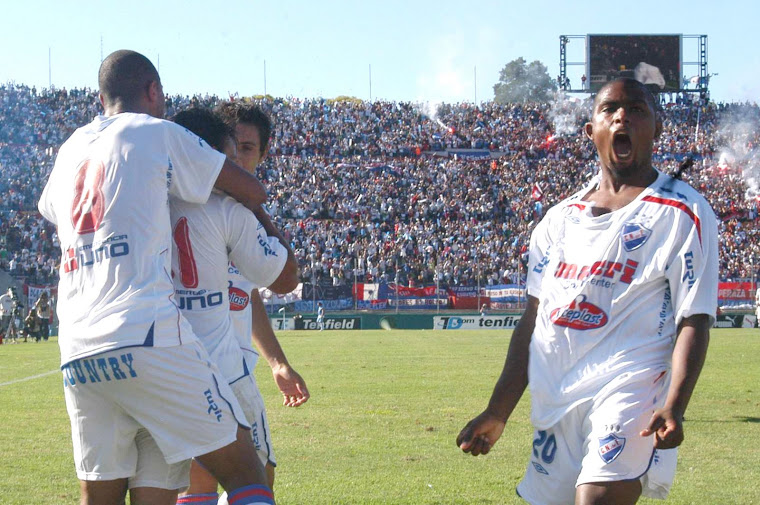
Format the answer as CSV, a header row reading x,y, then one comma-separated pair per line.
x,y
622,145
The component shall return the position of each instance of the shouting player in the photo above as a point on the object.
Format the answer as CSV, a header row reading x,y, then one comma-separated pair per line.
x,y
141,391
252,131
207,239
622,289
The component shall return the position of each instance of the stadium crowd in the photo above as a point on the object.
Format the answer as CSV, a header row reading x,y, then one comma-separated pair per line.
x,y
374,190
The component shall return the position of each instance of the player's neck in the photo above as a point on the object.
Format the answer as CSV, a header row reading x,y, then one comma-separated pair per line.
x,y
613,192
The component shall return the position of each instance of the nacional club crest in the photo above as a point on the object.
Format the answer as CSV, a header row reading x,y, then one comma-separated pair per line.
x,y
634,235
610,447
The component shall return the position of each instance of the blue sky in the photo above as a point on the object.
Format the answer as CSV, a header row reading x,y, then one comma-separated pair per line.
x,y
418,50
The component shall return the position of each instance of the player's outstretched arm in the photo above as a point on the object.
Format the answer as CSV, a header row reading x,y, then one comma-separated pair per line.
x,y
291,384
688,357
240,185
480,434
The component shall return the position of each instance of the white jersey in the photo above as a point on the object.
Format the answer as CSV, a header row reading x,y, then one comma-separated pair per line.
x,y
108,197
241,314
612,290
207,237
6,305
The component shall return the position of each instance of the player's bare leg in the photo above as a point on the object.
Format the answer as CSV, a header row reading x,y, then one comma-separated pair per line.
x,y
624,492
103,492
201,481
237,464
152,496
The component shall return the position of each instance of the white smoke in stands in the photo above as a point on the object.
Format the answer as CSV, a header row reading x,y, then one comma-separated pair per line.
x,y
567,115
430,111
738,151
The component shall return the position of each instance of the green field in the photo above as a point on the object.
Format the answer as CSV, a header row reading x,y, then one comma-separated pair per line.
x,y
380,427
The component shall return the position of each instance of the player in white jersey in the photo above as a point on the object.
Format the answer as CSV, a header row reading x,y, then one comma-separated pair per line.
x,y
252,131
622,290
142,394
207,238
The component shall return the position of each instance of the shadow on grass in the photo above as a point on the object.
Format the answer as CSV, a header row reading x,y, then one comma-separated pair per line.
x,y
735,419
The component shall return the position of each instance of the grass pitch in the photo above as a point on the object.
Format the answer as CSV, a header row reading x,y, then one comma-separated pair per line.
x,y
386,407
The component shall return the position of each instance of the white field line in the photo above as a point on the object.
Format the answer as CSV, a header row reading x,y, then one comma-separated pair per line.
x,y
32,377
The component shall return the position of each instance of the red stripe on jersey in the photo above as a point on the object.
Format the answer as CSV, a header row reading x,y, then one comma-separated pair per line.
x,y
579,205
678,205
188,272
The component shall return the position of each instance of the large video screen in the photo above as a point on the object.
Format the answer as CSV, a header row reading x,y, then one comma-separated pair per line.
x,y
651,59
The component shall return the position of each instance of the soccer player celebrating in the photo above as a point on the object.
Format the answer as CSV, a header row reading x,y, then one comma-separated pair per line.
x,y
142,393
252,131
622,289
207,239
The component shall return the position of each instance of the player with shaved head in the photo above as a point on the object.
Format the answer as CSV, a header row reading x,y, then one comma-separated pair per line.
x,y
142,393
622,291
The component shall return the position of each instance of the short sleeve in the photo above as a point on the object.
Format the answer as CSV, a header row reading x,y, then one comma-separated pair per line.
x,y
692,271
193,165
259,257
538,257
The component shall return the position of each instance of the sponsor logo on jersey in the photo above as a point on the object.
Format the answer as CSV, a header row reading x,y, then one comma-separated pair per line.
x,y
198,300
610,447
268,251
579,315
90,254
213,408
688,274
624,272
94,370
634,236
238,299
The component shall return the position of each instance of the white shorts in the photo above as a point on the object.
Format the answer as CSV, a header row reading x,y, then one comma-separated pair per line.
x,y
249,397
599,441
176,395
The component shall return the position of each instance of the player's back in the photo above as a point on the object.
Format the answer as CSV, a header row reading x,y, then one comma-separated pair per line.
x,y
108,196
207,237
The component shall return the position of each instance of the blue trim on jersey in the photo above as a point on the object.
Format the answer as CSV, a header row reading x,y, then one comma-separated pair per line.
x,y
246,373
149,338
651,458
232,411
266,439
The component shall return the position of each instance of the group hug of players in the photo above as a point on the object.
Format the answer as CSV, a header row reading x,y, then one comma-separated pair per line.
x,y
165,241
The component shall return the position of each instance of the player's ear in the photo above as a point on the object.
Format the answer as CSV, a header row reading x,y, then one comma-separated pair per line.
x,y
588,129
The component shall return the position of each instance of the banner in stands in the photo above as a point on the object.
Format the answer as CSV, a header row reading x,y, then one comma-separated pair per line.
x,y
387,296
309,306
33,294
325,291
506,293
736,321
475,322
731,294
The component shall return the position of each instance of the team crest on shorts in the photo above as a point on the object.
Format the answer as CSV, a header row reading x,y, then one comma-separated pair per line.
x,y
634,235
610,447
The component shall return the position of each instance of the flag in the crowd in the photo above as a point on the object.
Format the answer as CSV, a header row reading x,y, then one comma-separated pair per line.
x,y
536,194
